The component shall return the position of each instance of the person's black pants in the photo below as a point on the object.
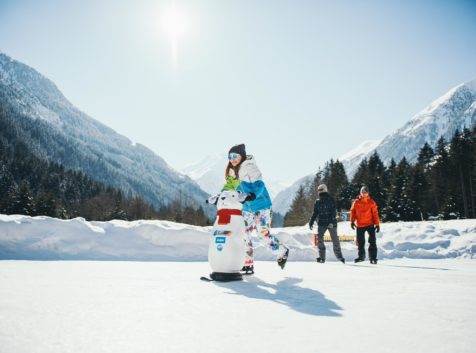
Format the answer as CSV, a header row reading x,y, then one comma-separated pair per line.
x,y
372,242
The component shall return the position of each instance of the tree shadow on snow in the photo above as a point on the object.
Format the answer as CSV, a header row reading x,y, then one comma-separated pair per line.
x,y
286,292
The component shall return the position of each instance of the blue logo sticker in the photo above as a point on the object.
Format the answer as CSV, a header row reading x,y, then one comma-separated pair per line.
x,y
220,240
219,247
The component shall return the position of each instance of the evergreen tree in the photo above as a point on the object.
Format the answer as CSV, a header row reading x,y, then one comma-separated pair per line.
x,y
299,213
426,155
46,205
462,163
439,176
335,177
419,190
7,186
376,174
361,176
21,201
400,207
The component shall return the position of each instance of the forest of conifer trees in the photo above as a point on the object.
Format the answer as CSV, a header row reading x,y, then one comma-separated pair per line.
x,y
32,186
441,184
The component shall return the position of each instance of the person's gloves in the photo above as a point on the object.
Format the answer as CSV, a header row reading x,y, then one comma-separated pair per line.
x,y
352,225
310,225
377,229
251,196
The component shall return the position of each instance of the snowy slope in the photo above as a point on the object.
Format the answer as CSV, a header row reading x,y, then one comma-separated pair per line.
x,y
56,130
283,200
285,197
209,172
23,237
275,187
397,306
453,111
352,159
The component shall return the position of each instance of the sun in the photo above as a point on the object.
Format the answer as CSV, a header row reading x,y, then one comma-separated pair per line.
x,y
175,24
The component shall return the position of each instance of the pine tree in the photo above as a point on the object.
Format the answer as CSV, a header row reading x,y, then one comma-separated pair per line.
x,y
419,190
462,162
21,201
361,176
46,205
7,186
376,173
400,207
299,213
335,178
472,176
439,176
426,155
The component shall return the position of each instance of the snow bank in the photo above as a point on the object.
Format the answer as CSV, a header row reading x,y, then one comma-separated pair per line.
x,y
44,238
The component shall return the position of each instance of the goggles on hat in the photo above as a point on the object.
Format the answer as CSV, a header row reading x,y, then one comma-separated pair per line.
x,y
233,156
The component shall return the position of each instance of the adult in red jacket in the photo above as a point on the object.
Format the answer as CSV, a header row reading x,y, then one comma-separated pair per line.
x,y
364,212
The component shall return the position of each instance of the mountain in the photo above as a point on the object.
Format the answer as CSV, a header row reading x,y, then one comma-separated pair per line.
x,y
57,131
209,173
283,199
453,111
352,159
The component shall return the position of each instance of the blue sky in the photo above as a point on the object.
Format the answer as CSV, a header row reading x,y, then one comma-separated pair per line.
x,y
299,82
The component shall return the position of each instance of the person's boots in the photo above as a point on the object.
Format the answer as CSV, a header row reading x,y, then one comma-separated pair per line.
x,y
359,259
282,260
320,260
248,270
342,260
373,261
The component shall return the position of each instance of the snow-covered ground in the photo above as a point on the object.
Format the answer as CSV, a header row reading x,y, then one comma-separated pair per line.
x,y
43,238
402,305
421,303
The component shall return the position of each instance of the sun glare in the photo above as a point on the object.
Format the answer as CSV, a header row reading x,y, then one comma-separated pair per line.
x,y
174,23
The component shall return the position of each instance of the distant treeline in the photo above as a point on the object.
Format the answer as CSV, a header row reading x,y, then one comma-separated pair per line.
x,y
30,185
441,184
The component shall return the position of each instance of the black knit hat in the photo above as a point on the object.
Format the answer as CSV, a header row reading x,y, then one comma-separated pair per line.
x,y
364,189
240,149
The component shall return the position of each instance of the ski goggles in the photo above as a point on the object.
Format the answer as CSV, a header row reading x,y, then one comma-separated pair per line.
x,y
233,156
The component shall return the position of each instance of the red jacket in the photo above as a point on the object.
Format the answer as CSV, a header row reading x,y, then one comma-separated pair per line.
x,y
364,212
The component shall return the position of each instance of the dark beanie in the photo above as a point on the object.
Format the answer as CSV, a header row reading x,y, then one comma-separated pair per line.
x,y
240,149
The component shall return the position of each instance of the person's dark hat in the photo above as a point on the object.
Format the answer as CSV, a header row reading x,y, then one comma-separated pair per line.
x,y
240,149
322,188
364,189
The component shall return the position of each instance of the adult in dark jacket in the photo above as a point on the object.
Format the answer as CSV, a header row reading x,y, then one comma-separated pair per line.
x,y
325,213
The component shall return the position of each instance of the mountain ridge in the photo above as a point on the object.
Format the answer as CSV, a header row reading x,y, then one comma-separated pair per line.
x,y
452,111
60,132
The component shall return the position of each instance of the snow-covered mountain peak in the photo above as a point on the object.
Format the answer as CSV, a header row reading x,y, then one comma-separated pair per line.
x,y
362,149
453,111
471,85
210,163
